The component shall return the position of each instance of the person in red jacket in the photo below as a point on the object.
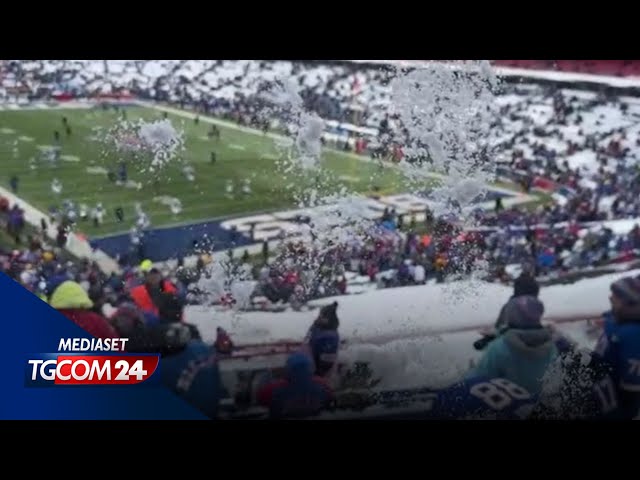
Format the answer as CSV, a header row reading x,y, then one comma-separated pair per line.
x,y
147,296
70,299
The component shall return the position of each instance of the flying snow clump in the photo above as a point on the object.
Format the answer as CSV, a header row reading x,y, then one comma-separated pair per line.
x,y
305,127
446,110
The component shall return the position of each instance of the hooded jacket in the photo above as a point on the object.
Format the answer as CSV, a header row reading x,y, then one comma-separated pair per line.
x,y
299,395
521,356
70,299
323,341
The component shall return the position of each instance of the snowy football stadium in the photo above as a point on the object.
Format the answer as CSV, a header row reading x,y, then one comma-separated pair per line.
x,y
411,193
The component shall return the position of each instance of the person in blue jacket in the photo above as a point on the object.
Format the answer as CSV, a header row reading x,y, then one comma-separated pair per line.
x,y
299,395
188,366
524,350
323,339
619,344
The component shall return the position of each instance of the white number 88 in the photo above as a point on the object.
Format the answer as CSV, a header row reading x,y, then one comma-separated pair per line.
x,y
499,393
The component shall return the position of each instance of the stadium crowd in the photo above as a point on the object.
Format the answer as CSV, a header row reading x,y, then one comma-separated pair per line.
x,y
146,305
562,141
560,136
297,272
578,148
524,363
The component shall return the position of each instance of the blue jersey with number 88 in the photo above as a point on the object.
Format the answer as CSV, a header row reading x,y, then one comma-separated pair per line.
x,y
484,398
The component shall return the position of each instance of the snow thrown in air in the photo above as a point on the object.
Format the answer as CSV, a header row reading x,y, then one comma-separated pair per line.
x,y
447,114
305,127
155,144
221,278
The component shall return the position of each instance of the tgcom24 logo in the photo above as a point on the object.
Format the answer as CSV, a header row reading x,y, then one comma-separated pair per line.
x,y
84,361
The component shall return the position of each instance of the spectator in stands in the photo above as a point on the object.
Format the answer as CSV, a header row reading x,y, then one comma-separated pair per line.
x,y
299,395
619,344
323,340
531,162
125,311
16,223
189,366
524,285
71,300
149,296
170,308
523,352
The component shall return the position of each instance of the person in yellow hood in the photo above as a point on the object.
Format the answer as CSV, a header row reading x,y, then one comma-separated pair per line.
x,y
146,265
70,299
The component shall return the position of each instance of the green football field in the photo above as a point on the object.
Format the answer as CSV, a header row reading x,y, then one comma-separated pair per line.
x,y
240,156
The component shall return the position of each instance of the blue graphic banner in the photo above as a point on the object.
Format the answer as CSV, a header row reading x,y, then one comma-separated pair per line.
x,y
33,328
